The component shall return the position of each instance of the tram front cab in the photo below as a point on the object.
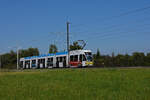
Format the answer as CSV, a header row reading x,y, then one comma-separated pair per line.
x,y
81,58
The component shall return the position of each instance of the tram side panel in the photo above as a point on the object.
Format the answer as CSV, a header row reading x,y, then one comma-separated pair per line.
x,y
54,62
46,62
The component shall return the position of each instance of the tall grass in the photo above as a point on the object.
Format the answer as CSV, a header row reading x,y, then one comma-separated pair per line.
x,y
74,84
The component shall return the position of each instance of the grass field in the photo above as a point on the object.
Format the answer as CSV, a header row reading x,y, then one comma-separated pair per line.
x,y
76,84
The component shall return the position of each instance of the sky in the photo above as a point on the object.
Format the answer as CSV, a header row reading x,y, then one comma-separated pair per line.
x,y
39,23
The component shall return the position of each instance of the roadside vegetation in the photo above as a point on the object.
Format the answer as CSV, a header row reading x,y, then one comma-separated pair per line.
x,y
120,60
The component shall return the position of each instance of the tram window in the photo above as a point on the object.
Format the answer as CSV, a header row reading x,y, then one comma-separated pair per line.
x,y
76,58
60,59
88,53
33,61
43,60
57,59
51,59
27,62
50,62
84,58
64,58
43,63
71,58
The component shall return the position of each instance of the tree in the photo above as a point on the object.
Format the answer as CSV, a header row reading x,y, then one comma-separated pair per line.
x,y
9,60
147,61
98,59
127,60
98,53
139,58
33,52
120,60
113,59
75,46
29,52
53,48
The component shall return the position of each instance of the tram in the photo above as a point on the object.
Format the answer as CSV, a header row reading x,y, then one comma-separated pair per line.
x,y
78,58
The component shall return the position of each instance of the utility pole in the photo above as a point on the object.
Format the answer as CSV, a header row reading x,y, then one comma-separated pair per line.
x,y
17,58
68,48
0,61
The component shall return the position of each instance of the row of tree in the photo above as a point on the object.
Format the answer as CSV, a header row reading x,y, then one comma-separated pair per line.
x,y
8,60
120,60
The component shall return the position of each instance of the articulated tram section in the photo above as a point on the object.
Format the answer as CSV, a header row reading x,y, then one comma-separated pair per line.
x,y
77,58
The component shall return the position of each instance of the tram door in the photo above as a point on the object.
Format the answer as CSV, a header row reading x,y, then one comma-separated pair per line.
x,y
61,61
64,61
41,63
50,62
82,59
33,64
57,61
27,64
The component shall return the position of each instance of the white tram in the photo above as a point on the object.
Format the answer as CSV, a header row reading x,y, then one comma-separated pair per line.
x,y
78,58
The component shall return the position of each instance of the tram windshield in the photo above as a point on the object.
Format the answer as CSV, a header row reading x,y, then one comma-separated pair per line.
x,y
88,56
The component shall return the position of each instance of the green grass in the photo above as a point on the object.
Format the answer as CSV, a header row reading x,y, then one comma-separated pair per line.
x,y
76,84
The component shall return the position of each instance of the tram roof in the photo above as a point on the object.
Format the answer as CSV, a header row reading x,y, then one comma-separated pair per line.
x,y
45,55
55,54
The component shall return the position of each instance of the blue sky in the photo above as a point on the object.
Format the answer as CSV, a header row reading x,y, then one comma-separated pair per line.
x,y
38,23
